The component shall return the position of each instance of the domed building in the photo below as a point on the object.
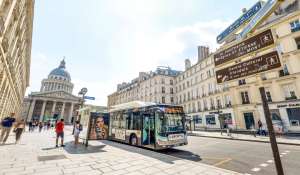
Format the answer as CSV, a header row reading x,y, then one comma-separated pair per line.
x,y
55,99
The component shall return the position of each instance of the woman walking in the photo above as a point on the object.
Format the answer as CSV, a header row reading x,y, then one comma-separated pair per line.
x,y
19,128
78,128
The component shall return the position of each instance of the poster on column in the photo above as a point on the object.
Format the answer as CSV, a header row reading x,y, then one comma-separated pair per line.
x,y
98,126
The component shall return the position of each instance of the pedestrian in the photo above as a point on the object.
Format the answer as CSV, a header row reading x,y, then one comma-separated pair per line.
x,y
59,129
48,125
30,126
260,125
40,126
77,130
7,124
19,128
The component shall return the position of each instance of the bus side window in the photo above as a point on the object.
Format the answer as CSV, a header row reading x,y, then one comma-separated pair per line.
x,y
137,121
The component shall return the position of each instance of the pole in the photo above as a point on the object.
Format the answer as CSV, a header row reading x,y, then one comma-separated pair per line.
x,y
271,132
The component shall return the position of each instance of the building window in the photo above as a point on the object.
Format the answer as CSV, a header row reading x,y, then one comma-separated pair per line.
x,y
268,96
245,97
284,71
163,99
189,96
187,84
171,91
242,81
199,106
163,90
212,104
171,82
289,92
210,120
295,26
205,104
297,40
172,100
162,81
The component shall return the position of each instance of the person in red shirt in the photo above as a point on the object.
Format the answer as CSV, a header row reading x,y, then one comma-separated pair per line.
x,y
59,129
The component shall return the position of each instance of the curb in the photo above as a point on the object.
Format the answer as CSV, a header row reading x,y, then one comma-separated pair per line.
x,y
245,140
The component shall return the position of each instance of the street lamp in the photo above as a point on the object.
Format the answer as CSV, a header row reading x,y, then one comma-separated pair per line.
x,y
82,92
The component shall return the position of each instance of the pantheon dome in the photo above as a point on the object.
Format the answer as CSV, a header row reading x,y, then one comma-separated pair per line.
x,y
59,79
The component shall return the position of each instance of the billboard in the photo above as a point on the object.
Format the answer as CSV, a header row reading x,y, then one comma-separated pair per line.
x,y
98,128
239,22
259,64
247,46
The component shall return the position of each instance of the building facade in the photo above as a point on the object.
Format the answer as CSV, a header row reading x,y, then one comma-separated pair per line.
x,y
282,85
157,86
16,20
55,100
237,104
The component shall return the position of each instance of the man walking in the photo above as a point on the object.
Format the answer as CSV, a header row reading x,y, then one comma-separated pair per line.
x,y
260,125
59,129
7,124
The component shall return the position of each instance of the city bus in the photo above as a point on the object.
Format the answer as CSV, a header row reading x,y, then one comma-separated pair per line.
x,y
151,125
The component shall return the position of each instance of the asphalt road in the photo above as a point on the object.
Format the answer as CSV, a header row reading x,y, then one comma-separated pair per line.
x,y
240,156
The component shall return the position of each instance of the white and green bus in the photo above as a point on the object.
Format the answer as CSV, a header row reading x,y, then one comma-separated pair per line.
x,y
155,126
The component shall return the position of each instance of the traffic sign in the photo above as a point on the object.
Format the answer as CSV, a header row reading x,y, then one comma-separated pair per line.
x,y
256,65
252,44
89,98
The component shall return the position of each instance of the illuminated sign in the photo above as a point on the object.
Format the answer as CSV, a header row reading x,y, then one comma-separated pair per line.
x,y
249,45
239,22
256,65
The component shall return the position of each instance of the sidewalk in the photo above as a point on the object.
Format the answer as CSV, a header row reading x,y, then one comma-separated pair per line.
x,y
243,137
36,155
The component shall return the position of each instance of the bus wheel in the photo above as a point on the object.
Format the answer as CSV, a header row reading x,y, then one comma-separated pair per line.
x,y
133,140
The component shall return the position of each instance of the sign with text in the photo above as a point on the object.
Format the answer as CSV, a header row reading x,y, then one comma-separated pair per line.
x,y
256,65
89,98
249,45
239,22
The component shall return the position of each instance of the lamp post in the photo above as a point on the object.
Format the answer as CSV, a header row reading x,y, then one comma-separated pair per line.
x,y
82,92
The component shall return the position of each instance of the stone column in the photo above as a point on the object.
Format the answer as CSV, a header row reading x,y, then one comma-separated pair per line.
x,y
32,104
71,112
43,111
62,110
53,108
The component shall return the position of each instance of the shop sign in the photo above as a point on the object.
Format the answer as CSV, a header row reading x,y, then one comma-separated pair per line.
x,y
288,105
247,46
239,22
216,112
256,65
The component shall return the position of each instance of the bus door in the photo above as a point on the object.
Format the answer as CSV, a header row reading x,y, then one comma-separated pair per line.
x,y
148,130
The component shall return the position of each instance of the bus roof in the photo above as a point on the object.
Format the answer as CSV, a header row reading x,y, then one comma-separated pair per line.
x,y
135,104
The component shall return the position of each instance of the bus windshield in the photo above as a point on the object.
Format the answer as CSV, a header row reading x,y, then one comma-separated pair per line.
x,y
170,122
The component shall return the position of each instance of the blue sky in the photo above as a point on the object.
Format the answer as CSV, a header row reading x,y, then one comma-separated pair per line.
x,y
106,42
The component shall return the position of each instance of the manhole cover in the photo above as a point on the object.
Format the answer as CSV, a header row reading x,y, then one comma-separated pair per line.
x,y
52,157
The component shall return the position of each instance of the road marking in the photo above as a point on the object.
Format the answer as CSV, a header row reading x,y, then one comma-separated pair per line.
x,y
255,169
222,162
287,151
270,161
283,153
264,165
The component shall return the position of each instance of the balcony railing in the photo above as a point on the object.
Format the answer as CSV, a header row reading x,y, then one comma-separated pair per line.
x,y
283,73
291,98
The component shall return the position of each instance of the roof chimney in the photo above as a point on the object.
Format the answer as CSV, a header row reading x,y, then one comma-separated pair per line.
x,y
187,63
203,52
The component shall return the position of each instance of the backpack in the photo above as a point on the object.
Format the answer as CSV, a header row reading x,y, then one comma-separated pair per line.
x,y
80,127
6,122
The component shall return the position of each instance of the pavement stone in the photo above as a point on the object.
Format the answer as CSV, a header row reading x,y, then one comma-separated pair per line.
x,y
101,157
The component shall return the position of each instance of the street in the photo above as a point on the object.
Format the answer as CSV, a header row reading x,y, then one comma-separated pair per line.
x,y
240,156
